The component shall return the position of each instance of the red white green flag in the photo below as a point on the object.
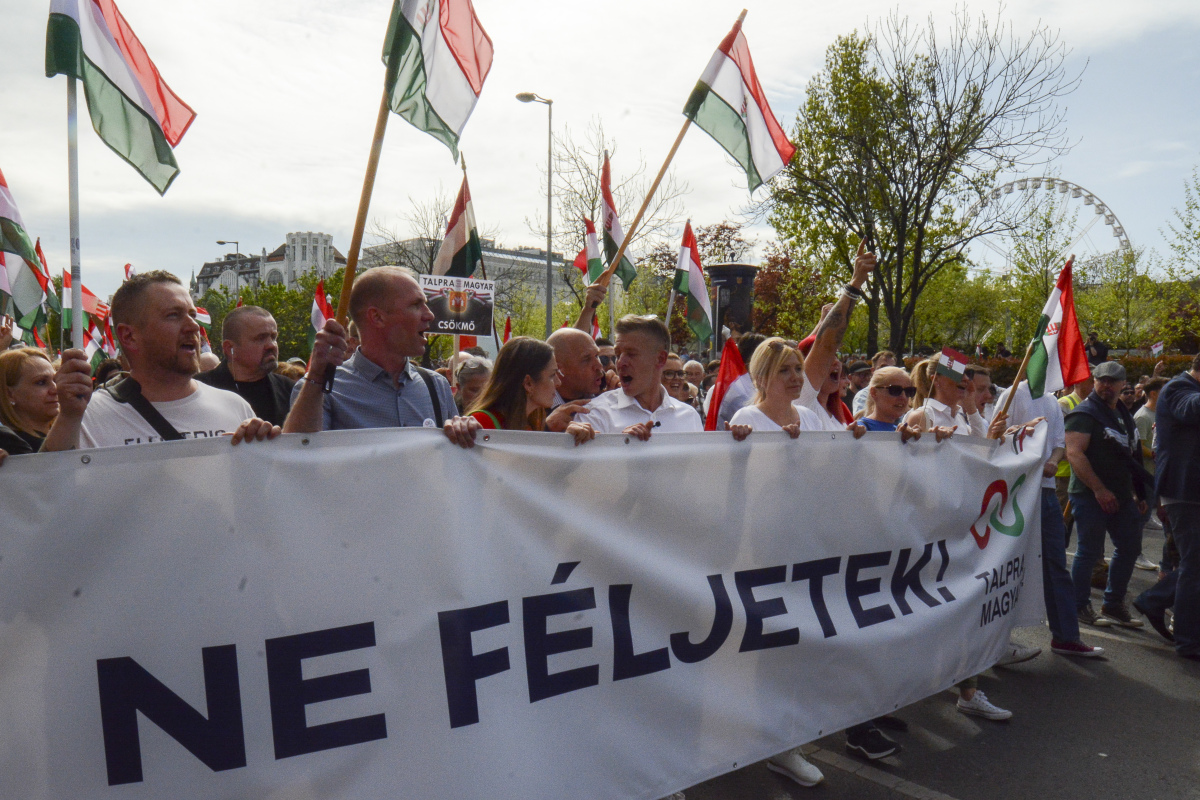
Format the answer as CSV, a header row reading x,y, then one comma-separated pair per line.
x,y
322,310
21,292
1058,358
689,283
93,308
461,252
133,109
588,261
613,235
729,104
438,57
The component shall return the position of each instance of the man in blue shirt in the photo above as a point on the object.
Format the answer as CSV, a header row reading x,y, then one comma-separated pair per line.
x,y
378,385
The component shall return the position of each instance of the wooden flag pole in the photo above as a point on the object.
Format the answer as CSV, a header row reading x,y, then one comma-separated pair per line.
x,y
1024,364
360,223
606,277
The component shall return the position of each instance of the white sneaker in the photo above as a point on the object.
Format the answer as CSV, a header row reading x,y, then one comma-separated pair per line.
x,y
796,767
979,706
1016,653
1153,523
1145,563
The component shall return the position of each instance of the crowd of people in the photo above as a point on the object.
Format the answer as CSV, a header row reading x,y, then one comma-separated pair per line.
x,y
1113,465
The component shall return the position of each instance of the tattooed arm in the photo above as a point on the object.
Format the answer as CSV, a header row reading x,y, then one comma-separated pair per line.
x,y
832,328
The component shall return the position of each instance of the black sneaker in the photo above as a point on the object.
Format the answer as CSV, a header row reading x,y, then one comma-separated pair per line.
x,y
1157,620
1087,615
1119,614
871,744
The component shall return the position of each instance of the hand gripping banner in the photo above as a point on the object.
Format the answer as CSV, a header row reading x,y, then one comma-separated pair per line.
x,y
363,614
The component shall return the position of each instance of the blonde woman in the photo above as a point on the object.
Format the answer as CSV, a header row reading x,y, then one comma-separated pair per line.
x,y
28,399
778,374
944,399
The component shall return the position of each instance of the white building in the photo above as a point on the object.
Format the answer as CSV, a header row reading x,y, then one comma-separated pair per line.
x,y
301,253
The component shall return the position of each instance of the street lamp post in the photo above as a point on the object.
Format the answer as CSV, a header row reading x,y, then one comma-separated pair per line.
x,y
237,248
530,97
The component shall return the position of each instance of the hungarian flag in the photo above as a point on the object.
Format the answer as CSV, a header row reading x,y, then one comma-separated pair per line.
x,y
93,308
132,108
43,278
729,104
613,235
460,252
322,310
1057,358
689,283
951,364
438,57
507,329
21,292
733,386
596,332
588,261
129,271
203,318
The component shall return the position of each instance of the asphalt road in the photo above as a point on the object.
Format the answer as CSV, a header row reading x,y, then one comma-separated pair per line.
x,y
1123,726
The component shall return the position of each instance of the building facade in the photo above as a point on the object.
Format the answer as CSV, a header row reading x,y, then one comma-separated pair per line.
x,y
301,253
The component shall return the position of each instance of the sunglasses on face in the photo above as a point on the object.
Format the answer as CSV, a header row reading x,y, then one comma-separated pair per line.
x,y
969,374
606,361
672,373
895,391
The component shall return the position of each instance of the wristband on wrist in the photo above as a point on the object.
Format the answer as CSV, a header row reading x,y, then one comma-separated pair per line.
x,y
314,381
857,294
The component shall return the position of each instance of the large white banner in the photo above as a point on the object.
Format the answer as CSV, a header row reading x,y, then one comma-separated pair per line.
x,y
374,614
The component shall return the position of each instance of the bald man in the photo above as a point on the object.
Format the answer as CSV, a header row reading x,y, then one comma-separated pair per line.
x,y
580,375
378,386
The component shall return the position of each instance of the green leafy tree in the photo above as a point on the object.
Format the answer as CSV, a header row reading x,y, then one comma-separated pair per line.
x,y
1119,299
899,140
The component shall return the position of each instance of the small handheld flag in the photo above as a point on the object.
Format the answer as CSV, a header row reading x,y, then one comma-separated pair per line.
x,y
951,364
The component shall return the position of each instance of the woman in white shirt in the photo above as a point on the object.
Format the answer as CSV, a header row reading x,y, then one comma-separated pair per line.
x,y
942,402
778,375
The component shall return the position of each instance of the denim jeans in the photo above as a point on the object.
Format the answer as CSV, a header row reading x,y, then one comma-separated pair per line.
x,y
1090,525
1185,525
1057,587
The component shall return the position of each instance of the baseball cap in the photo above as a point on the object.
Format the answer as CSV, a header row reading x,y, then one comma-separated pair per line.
x,y
858,366
1109,369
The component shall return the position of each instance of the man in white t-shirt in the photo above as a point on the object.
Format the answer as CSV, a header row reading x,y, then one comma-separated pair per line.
x,y
642,404
822,370
155,323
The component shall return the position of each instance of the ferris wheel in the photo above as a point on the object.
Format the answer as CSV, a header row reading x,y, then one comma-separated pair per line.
x,y
1024,190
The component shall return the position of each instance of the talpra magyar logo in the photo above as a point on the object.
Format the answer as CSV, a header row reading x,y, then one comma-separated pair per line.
x,y
999,487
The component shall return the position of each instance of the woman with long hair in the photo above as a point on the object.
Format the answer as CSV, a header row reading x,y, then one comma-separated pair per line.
x,y
521,390
778,375
28,399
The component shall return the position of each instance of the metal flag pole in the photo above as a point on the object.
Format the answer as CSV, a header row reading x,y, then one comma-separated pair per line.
x,y
73,211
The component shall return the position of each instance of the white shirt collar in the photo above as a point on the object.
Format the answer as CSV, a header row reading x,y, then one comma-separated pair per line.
x,y
625,400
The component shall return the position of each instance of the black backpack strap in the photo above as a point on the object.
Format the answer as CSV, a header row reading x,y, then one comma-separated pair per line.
x,y
127,390
427,376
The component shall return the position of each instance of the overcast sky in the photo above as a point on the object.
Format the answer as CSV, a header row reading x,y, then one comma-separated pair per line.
x,y
286,93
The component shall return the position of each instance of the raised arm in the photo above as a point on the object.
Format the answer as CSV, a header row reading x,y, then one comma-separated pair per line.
x,y
832,329
594,297
308,409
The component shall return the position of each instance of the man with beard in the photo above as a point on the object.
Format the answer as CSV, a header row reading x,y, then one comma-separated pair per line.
x,y
251,345
155,324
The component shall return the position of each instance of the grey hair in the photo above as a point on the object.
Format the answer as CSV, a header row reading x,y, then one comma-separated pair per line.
x,y
471,368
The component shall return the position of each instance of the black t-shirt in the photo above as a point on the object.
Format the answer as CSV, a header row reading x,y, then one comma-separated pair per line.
x,y
1104,453
260,396
19,443
1097,352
